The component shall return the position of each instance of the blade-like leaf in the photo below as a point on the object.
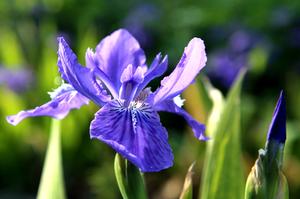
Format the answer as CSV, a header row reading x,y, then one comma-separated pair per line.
x,y
187,191
222,173
129,178
52,182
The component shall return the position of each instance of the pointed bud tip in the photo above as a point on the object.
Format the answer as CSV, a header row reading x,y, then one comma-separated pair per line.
x,y
277,128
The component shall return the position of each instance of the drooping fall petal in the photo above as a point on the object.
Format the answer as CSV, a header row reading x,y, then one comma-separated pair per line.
x,y
63,100
83,79
135,133
197,127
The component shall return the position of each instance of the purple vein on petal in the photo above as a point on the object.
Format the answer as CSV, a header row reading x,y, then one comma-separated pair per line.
x,y
137,134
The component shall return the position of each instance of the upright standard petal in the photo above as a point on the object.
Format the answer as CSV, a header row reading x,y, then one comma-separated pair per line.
x,y
130,80
63,100
83,79
192,61
277,129
115,52
156,69
134,132
170,106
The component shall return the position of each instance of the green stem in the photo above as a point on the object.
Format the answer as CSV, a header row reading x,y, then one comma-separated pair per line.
x,y
129,178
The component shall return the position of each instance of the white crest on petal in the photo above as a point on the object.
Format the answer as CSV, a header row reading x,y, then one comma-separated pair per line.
x,y
62,89
178,101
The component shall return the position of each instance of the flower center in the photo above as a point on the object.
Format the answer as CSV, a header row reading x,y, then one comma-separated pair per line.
x,y
130,80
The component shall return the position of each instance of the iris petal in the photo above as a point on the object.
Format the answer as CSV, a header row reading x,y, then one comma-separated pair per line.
x,y
135,133
83,79
170,106
156,69
63,100
115,52
92,62
192,61
130,81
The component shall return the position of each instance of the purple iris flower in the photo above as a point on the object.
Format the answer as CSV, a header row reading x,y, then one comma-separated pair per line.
x,y
277,129
115,78
226,67
18,80
227,62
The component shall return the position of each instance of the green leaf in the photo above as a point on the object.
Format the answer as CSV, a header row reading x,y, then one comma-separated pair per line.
x,y
52,182
223,171
187,192
217,100
129,178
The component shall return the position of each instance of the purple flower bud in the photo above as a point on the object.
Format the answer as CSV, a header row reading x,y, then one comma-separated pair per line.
x,y
277,128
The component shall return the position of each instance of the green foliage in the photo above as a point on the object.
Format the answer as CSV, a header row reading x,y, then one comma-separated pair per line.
x,y
130,179
223,173
10,50
52,182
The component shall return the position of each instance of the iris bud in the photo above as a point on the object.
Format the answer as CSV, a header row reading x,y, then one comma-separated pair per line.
x,y
266,180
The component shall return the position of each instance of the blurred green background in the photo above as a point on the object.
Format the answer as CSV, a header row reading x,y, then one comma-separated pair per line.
x,y
262,35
